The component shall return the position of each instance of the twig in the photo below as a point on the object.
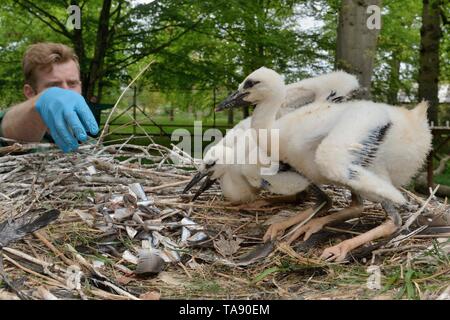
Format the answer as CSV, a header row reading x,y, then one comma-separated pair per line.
x,y
49,245
413,217
120,291
45,265
165,186
447,270
185,270
399,249
342,230
316,211
51,281
236,279
193,205
6,280
105,129
287,249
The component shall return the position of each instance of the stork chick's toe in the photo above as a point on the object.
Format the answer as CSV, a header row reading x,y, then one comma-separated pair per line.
x,y
308,230
337,253
275,230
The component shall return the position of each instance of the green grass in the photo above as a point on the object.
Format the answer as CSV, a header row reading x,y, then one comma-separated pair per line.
x,y
444,179
203,286
180,119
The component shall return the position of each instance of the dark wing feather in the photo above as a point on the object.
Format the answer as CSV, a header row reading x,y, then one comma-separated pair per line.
x,y
20,227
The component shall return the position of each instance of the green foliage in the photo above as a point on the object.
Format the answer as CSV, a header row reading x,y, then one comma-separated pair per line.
x,y
201,45
399,46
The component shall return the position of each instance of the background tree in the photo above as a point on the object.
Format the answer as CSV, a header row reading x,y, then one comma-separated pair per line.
x,y
206,47
396,62
120,35
356,43
431,34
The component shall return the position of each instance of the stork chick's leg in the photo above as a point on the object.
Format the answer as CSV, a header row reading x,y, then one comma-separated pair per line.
x,y
296,198
391,225
278,228
315,225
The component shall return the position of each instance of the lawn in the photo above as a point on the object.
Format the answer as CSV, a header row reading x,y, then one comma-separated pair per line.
x,y
444,178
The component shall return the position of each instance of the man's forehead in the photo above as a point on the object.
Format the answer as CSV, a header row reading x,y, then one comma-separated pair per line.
x,y
60,71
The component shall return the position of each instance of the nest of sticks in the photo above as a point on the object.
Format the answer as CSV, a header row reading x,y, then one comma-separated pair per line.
x,y
125,231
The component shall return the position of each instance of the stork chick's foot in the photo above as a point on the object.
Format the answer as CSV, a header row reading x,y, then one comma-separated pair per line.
x,y
308,229
337,253
317,224
277,229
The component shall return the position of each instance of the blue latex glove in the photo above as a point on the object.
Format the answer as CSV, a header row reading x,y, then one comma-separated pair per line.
x,y
67,116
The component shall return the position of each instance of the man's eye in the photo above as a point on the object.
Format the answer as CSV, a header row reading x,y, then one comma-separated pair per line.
x,y
73,84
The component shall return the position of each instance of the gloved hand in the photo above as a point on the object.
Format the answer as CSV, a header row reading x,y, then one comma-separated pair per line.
x,y
67,116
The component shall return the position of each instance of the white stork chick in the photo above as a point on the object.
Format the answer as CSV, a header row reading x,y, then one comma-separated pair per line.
x,y
371,148
217,165
333,86
240,182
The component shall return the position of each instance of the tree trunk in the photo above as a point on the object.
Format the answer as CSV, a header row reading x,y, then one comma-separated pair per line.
x,y
172,114
431,34
101,84
97,63
230,117
356,43
394,79
78,45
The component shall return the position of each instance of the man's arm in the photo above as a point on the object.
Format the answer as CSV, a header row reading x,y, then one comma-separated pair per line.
x,y
64,112
23,122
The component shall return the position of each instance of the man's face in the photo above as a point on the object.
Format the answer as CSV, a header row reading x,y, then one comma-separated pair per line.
x,y
63,75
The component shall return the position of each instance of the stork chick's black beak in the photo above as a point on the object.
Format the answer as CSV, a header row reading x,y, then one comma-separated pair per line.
x,y
208,183
196,179
235,100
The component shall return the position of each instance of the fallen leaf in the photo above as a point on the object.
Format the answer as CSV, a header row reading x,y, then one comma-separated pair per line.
x,y
227,248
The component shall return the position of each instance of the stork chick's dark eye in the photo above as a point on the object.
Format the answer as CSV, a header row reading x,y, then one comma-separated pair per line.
x,y
250,83
210,165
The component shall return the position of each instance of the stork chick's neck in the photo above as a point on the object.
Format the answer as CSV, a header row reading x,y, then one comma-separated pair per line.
x,y
265,113
263,118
